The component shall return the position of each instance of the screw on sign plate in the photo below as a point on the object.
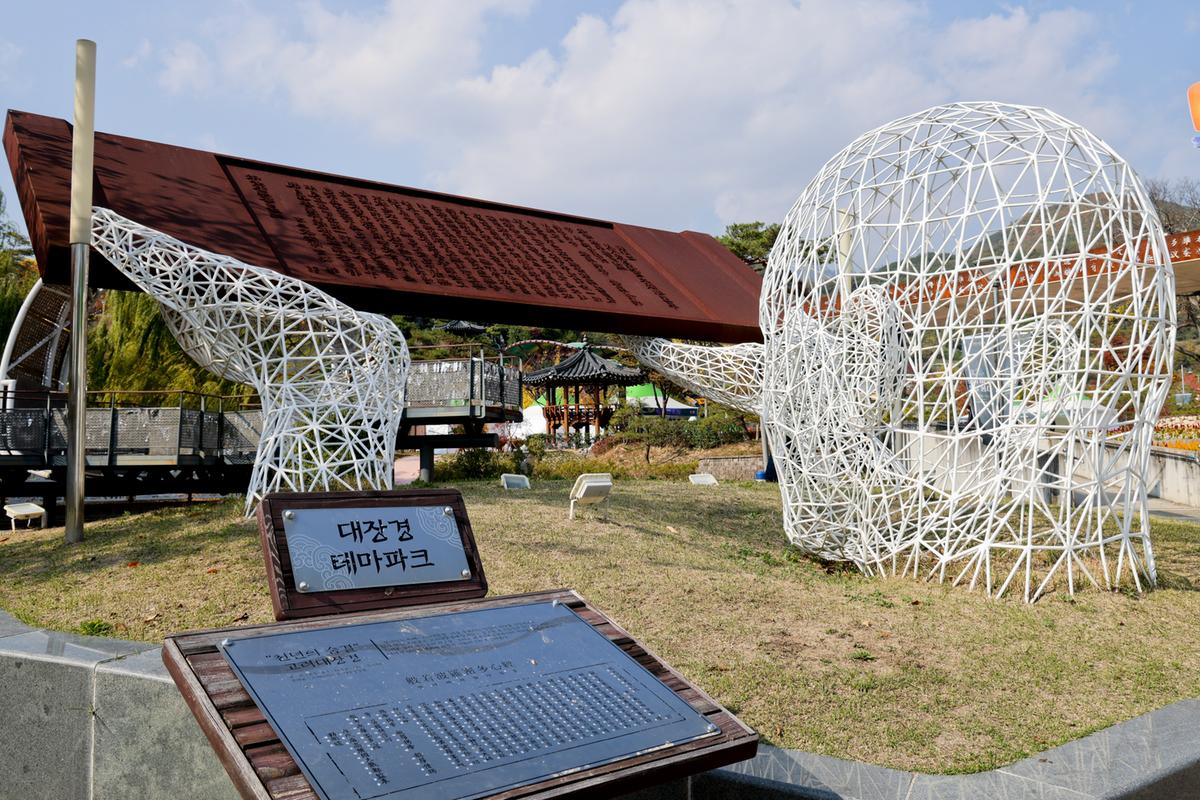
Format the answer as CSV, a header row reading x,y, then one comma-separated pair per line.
x,y
466,573
448,511
289,514
303,586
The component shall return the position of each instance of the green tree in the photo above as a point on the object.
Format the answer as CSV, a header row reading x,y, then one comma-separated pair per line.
x,y
750,241
131,349
18,271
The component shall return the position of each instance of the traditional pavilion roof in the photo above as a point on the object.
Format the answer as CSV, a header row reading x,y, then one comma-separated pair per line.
x,y
585,368
462,327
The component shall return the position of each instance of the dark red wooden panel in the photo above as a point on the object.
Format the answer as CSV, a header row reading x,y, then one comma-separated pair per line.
x,y
389,248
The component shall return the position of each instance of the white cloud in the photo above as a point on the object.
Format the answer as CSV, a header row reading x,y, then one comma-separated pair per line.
x,y
10,54
185,67
672,112
138,55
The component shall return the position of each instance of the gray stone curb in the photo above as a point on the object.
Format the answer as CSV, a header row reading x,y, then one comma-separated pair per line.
x,y
100,719
1156,755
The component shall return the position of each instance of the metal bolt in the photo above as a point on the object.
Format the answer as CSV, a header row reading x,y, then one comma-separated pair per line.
x,y
303,586
712,728
466,573
289,514
448,511
554,604
224,643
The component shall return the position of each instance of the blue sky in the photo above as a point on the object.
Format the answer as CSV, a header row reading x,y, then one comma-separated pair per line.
x,y
683,114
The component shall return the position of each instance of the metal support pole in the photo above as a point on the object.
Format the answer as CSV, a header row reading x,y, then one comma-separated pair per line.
x,y
81,240
426,463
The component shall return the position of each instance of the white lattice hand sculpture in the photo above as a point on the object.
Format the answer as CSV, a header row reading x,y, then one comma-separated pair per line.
x,y
729,375
331,379
968,326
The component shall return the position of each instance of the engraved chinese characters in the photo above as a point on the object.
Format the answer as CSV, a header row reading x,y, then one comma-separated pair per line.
x,y
456,705
369,233
338,548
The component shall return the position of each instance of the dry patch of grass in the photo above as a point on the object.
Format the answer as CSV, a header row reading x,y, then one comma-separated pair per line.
x,y
634,462
899,673
139,576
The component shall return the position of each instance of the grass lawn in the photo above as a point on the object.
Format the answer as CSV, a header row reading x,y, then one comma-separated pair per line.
x,y
891,671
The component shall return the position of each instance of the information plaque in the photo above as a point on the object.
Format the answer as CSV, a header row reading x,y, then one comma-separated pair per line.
x,y
339,552
352,548
457,705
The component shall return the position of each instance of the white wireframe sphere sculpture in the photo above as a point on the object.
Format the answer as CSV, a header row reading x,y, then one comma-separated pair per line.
x,y
331,379
968,322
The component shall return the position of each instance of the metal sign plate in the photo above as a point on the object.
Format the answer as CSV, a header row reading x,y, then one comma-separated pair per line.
x,y
356,548
457,705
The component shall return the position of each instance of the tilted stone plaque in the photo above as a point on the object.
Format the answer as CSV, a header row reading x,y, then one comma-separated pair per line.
x,y
456,705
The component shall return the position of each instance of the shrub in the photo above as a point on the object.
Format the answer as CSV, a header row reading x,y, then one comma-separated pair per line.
x,y
721,426
476,463
567,465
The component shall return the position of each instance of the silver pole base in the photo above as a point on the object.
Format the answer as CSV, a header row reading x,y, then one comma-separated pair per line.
x,y
77,394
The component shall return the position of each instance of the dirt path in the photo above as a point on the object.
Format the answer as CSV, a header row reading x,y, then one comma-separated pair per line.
x,y
407,469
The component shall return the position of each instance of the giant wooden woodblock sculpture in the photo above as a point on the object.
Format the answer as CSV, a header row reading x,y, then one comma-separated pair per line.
x,y
968,323
331,379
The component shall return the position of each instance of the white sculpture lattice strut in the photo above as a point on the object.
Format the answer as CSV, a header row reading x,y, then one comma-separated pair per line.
x,y
968,322
331,379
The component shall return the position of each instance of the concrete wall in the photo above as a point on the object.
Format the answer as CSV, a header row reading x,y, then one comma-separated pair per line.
x,y
731,468
1172,475
96,719
1176,476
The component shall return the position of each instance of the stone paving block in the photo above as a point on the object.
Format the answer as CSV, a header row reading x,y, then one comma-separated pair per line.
x,y
824,776
723,784
10,625
46,712
1126,758
147,743
991,785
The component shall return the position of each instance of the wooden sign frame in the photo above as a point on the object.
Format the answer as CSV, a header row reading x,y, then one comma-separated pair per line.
x,y
262,769
290,603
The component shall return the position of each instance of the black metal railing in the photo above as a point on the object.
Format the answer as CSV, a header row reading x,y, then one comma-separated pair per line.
x,y
472,384
127,426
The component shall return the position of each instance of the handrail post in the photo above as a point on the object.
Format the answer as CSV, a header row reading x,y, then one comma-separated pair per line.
x,y
46,431
179,429
199,450
112,429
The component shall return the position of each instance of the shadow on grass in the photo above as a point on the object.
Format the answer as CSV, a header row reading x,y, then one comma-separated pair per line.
x,y
730,525
150,537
